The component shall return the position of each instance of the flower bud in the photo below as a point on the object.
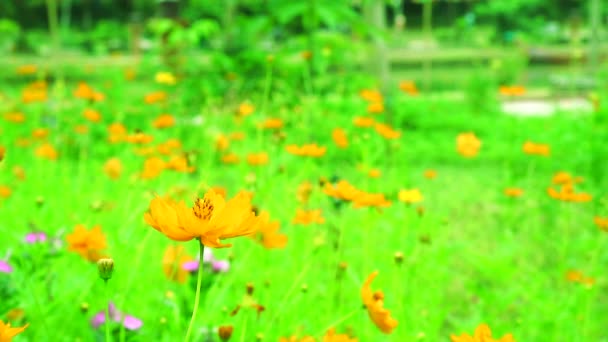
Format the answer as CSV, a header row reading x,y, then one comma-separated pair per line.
x,y
398,258
105,268
225,332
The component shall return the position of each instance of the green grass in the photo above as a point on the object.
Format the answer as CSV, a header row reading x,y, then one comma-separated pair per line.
x,y
474,255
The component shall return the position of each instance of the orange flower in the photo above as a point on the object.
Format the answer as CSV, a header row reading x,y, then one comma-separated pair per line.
x,y
173,259
482,334
117,133
85,92
169,146
601,223
408,87
139,138
374,302
375,108
514,192
113,168
92,115
576,276
222,142
307,150
153,167
7,333
211,219
27,69
430,174
16,117
371,95
295,339
362,121
331,336
367,199
268,232
257,158
566,190
272,123
537,149
339,137
40,133
87,243
306,55
386,131
46,151
179,163
230,158
35,92
515,90
306,217
467,144
342,190
374,173
410,196
236,136
2,152
245,109
564,178
155,97
5,191
164,121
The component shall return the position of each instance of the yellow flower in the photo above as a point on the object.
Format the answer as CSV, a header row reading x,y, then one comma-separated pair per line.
x,y
7,333
164,77
211,219
482,334
410,196
467,144
374,303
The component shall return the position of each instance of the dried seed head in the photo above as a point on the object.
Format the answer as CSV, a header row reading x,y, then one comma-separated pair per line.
x,y
225,332
84,307
304,288
250,288
105,267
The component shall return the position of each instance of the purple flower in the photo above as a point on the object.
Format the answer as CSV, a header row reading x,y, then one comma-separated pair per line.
x,y
218,266
36,237
128,321
190,266
5,267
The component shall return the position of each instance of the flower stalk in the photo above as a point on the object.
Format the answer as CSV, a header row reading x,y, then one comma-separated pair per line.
x,y
197,297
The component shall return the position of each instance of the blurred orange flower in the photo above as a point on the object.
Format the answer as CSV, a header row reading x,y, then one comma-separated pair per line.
x,y
368,199
576,276
303,192
211,219
164,121
482,334
230,158
342,190
87,243
566,191
371,95
387,131
5,191
306,217
514,192
7,333
81,129
408,87
362,121
179,163
222,142
467,144
139,138
155,97
272,123
85,92
16,117
46,151
374,303
92,115
410,196
307,150
117,133
257,158
40,133
536,149
245,109
168,147
153,167
35,92
430,174
515,90
173,259
374,173
19,172
27,69
332,336
2,152
268,232
236,136
113,168
375,107
601,223
339,137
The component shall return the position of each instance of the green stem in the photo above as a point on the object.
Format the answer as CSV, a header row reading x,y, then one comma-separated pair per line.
x,y
197,297
108,320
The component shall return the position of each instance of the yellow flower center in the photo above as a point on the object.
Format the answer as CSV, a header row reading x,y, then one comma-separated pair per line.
x,y
203,208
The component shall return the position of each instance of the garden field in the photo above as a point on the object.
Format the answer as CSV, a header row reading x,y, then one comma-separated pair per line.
x,y
397,217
